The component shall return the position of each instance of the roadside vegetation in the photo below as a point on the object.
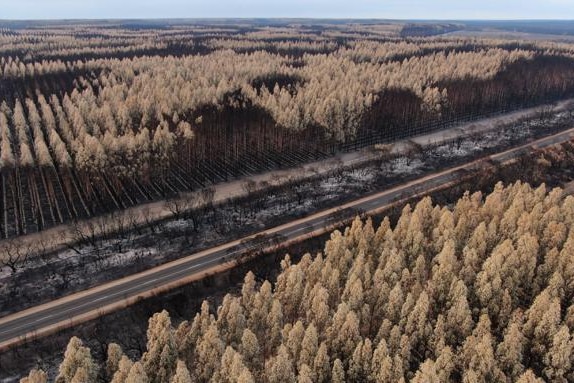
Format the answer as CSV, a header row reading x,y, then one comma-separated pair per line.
x,y
127,327
477,291
119,244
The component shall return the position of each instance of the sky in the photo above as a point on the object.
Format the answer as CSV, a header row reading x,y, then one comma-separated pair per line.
x,y
383,9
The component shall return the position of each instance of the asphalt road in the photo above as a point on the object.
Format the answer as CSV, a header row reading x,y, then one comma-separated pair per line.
x,y
17,327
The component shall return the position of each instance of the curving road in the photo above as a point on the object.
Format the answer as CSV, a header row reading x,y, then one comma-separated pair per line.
x,y
89,304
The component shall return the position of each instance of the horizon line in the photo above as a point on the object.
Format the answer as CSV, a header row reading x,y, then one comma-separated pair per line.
x,y
279,18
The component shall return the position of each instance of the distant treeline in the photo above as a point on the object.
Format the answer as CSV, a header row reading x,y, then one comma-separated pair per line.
x,y
424,29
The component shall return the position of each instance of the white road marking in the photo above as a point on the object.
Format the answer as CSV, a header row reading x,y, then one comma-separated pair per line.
x,y
428,180
165,277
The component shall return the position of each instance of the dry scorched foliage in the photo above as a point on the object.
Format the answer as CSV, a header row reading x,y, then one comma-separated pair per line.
x,y
97,118
477,292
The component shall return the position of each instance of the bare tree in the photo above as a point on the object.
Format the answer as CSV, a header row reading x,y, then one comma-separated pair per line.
x,y
15,254
412,151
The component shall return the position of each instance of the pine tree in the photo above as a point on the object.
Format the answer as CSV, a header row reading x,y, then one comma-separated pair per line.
x,y
360,363
181,374
338,373
232,367
160,358
427,373
509,352
280,368
542,322
248,291
35,376
124,367
321,364
529,377
478,354
558,359
7,160
209,352
187,336
137,374
77,357
251,350
347,337
445,364
381,364
309,346
459,321
295,340
305,374
115,355
231,320
274,324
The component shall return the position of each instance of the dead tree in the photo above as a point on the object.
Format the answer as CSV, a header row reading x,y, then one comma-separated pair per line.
x,y
412,152
15,254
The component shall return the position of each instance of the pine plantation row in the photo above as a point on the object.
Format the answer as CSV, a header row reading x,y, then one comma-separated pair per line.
x,y
98,119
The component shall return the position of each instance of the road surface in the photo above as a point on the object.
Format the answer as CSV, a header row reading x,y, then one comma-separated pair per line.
x,y
89,304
